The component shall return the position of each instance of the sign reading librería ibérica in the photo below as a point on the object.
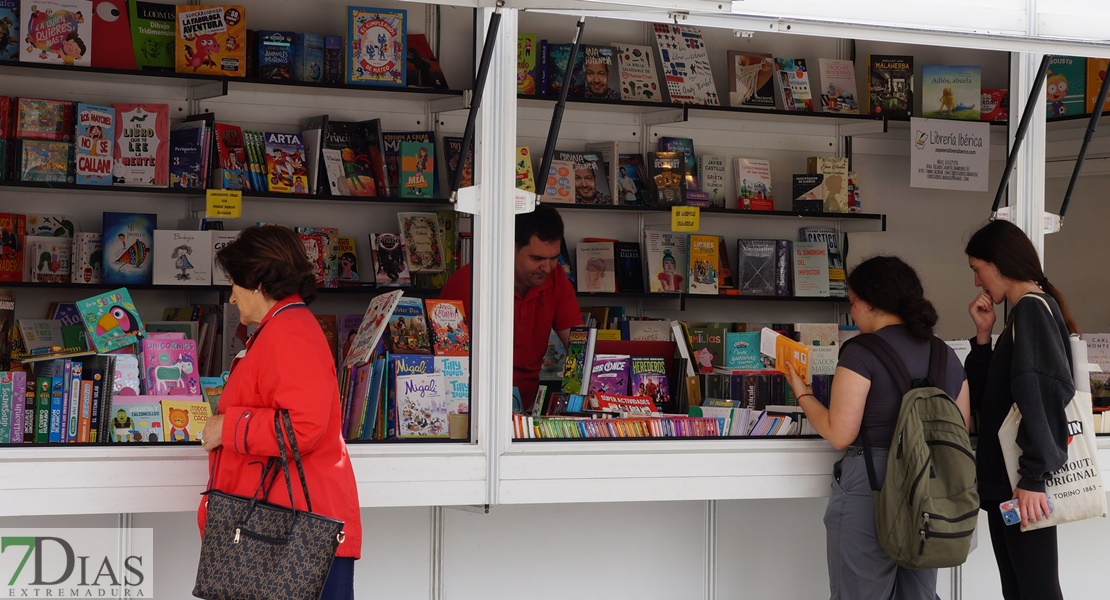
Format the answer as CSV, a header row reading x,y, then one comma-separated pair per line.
x,y
949,154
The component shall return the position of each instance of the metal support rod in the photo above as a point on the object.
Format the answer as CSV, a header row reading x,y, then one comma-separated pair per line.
x,y
557,115
1026,116
1092,125
476,100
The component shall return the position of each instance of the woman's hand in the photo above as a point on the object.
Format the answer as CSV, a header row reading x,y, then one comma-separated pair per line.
x,y
797,384
212,435
981,310
1032,505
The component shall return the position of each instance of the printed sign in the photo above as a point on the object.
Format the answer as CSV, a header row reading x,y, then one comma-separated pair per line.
x,y
949,154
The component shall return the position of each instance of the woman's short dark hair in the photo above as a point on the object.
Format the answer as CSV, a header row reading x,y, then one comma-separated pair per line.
x,y
270,257
892,286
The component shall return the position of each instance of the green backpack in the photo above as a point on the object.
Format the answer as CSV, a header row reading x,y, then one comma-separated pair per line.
x,y
928,505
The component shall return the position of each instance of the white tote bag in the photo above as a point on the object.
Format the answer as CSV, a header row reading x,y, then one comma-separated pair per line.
x,y
1076,490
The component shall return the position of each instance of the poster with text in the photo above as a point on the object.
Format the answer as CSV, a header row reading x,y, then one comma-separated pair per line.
x,y
949,155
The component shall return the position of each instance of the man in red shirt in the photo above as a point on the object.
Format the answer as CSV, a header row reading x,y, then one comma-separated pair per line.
x,y
544,298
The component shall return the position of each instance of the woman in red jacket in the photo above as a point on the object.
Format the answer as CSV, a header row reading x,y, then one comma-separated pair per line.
x,y
287,365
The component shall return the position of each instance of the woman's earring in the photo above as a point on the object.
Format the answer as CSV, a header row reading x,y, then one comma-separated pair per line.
x,y
258,290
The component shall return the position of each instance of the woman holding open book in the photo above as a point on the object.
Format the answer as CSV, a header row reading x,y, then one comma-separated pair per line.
x,y
887,300
287,365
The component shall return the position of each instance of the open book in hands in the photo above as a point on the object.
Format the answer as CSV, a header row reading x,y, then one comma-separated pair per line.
x,y
781,349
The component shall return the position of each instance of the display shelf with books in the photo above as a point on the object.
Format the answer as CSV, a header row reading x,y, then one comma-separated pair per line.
x,y
848,221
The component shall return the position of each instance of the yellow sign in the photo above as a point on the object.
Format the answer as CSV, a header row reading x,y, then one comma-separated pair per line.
x,y
685,218
223,204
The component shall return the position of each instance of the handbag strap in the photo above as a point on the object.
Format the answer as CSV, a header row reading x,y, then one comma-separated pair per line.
x,y
283,429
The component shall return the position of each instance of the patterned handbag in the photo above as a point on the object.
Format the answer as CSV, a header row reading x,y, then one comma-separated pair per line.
x,y
255,550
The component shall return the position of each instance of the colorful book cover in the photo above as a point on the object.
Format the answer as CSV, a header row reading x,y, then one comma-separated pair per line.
x,y
49,258
44,119
600,72
452,152
632,186
811,269
450,336
421,406
170,366
456,379
553,69
12,235
890,84
188,153
609,374
838,86
665,254
349,265
994,105
704,265
392,142
560,183
322,248
596,267
153,30
638,75
127,242
1096,72
183,420
142,146
648,377
408,328
423,69
96,129
575,360
1066,87
7,319
753,184
213,388
135,419
667,174
111,320
420,239
374,322
742,350
285,170
525,180
751,82
590,184
685,63
112,33
51,225
390,265
951,92
46,161
376,46
231,172
211,40
794,79
417,169
275,55
685,146
182,257
527,49
834,183
9,31
56,32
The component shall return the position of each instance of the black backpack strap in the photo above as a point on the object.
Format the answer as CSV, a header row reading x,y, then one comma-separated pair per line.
x,y
938,362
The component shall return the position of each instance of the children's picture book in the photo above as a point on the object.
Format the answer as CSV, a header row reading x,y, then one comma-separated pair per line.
x,y
951,92
285,164
392,140
837,86
45,161
1096,72
112,31
994,104
423,69
153,31
44,119
527,50
56,32
751,82
111,320
141,152
12,235
704,265
684,60
220,238
596,267
211,40
638,75
525,179
127,242
665,254
456,379
408,328
784,352
182,257
609,374
321,246
9,31
86,258
420,239
170,366
648,377
51,225
376,46
40,334
554,359
48,259
417,169
231,168
560,183
1066,87
135,419
753,184
390,265
349,266
212,388
794,81
890,84
374,322
96,129
183,419
450,335
574,371
275,55
633,187
421,406
308,57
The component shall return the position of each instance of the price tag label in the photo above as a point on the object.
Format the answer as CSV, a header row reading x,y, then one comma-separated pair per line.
x,y
223,204
685,218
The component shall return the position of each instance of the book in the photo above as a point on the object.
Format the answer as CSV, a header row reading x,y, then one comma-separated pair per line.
x,y
527,49
40,335
188,155
629,267
951,92
46,161
390,265
456,382
793,78
450,335
554,359
758,263
321,246
711,178
127,242
685,146
666,257
890,85
648,378
135,419
811,269
231,166
183,419
560,183
600,72
93,139
220,238
211,40
633,187
553,70
285,164
48,259
170,366
753,184
417,169
308,57
111,320
834,183
783,352
579,355
684,60
423,68
7,321
421,405
274,54
1096,72
141,154
596,265
742,350
452,153
420,240
370,330
408,328
376,46
112,33
9,33
704,264
348,275
751,82
44,119
808,193
153,34
56,32
666,172
837,86
391,141
182,257
188,330
994,105
838,286
591,186
637,74
525,179
609,374
12,236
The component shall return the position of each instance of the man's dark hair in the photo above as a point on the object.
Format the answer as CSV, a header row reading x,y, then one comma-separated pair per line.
x,y
544,223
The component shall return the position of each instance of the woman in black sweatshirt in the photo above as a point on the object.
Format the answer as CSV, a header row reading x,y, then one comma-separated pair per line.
x,y
1029,366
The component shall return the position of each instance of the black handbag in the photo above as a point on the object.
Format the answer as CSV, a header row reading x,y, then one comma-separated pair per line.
x,y
256,550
